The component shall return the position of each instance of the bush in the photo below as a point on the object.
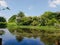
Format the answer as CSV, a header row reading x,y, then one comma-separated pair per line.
x,y
3,24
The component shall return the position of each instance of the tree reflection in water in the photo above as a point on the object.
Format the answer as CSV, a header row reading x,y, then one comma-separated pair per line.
x,y
1,32
50,40
19,38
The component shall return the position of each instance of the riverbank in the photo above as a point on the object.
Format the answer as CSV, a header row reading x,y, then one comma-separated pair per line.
x,y
27,28
53,30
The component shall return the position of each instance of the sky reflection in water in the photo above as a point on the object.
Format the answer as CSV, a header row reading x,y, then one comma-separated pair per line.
x,y
9,39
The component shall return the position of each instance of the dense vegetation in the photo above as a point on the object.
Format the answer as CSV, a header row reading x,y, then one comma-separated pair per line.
x,y
46,19
48,22
3,23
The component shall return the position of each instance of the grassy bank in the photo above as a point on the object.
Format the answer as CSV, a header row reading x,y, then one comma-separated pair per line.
x,y
50,29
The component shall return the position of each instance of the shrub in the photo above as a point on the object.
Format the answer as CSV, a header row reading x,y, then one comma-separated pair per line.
x,y
3,24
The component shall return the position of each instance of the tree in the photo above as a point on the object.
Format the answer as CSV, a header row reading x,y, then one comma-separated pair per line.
x,y
2,19
34,23
21,14
48,18
52,22
27,21
43,21
12,18
3,23
20,17
58,16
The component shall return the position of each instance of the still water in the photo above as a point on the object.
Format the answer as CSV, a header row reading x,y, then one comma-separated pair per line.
x,y
10,39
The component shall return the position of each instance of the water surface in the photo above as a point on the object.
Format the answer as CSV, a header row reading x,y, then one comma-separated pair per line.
x,y
10,39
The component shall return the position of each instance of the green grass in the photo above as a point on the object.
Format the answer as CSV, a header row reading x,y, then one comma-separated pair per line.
x,y
14,26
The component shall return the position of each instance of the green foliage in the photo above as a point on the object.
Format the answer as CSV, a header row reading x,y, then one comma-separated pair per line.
x,y
21,14
46,19
34,23
49,15
52,22
3,23
2,19
43,21
12,19
12,26
20,18
49,18
27,21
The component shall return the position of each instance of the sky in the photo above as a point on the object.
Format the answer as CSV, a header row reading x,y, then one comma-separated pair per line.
x,y
29,7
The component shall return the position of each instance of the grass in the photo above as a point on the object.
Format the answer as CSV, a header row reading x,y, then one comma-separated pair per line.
x,y
14,26
45,28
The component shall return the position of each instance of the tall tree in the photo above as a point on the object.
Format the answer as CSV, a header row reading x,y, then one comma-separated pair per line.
x,y
21,14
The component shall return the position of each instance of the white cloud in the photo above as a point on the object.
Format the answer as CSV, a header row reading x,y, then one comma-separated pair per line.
x,y
3,3
54,3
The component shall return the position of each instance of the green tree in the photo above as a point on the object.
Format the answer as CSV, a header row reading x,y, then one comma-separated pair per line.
x,y
47,18
3,23
20,17
52,22
12,18
28,21
2,19
58,16
21,14
34,23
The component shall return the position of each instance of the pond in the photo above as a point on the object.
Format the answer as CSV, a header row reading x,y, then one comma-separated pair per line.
x,y
10,39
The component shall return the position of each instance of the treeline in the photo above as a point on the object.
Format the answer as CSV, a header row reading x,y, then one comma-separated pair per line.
x,y
46,19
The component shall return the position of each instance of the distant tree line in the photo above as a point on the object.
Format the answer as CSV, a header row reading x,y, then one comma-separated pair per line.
x,y
46,19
